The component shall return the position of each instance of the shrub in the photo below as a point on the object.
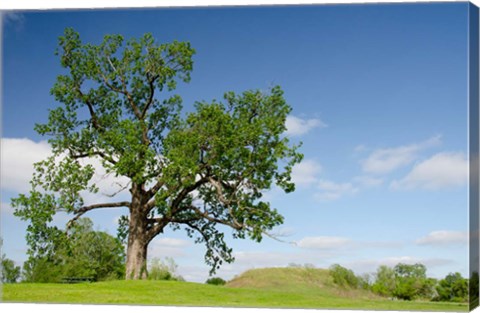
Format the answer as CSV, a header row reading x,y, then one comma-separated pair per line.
x,y
216,281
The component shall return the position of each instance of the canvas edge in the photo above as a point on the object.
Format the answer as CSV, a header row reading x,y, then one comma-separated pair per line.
x,y
473,103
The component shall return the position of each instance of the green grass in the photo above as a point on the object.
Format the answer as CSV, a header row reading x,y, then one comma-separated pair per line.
x,y
306,288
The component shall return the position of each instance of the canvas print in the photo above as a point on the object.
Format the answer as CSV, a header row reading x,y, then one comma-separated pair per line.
x,y
300,156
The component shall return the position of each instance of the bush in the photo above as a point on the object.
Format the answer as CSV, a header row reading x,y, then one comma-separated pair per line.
x,y
216,281
343,277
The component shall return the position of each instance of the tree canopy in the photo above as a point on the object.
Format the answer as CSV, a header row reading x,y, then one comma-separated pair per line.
x,y
193,171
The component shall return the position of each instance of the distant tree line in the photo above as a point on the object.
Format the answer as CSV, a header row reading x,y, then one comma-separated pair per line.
x,y
404,282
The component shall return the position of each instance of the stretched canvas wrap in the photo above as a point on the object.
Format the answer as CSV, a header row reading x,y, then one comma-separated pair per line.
x,y
296,156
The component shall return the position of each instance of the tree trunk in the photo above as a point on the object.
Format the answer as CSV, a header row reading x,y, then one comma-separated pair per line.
x,y
136,266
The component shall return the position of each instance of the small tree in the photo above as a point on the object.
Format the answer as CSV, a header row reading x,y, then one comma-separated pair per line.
x,y
10,273
207,169
44,263
163,270
385,283
93,254
343,276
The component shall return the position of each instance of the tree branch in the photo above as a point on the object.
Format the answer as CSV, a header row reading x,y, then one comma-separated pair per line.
x,y
122,91
122,188
129,97
205,237
89,104
158,227
234,224
99,153
150,98
80,211
219,189
152,191
176,202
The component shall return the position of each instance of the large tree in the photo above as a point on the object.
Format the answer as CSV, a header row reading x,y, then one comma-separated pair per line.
x,y
194,171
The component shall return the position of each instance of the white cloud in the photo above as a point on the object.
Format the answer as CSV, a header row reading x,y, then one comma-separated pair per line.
x,y
17,159
367,181
448,169
305,173
172,242
342,243
331,191
323,242
297,126
383,161
19,154
443,238
167,247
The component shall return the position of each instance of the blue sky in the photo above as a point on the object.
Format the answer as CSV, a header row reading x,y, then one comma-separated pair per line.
x,y
379,97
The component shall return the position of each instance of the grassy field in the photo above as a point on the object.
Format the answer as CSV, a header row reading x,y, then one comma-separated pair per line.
x,y
306,288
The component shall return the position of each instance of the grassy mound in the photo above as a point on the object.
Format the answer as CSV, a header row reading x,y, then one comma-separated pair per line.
x,y
306,280
283,279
